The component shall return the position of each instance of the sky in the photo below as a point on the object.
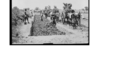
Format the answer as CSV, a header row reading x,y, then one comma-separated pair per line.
x,y
32,4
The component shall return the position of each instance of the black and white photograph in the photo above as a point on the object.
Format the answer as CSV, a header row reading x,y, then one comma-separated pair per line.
x,y
49,22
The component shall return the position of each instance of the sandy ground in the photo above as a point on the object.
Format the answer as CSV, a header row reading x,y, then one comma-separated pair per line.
x,y
25,28
72,36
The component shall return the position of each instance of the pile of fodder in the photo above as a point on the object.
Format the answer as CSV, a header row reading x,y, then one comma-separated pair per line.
x,y
44,27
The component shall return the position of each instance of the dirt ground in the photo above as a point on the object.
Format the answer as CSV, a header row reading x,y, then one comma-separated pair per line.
x,y
77,36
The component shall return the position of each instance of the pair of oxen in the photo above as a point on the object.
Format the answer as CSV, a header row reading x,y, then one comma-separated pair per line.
x,y
66,17
72,18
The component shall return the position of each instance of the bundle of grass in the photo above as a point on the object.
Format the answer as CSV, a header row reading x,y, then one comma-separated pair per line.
x,y
44,27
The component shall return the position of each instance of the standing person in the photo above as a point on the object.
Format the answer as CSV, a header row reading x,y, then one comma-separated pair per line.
x,y
26,16
47,11
56,12
79,19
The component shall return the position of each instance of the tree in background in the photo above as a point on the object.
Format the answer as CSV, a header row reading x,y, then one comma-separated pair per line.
x,y
55,9
37,8
67,6
49,7
86,8
15,15
47,11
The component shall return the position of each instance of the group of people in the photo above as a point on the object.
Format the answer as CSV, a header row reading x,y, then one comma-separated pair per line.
x,y
67,16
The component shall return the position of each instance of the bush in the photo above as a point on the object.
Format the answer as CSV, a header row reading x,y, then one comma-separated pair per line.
x,y
16,21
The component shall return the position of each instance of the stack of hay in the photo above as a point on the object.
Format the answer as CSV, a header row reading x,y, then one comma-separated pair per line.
x,y
44,27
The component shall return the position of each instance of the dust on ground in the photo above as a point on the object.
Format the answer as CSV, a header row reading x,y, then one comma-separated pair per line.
x,y
76,36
